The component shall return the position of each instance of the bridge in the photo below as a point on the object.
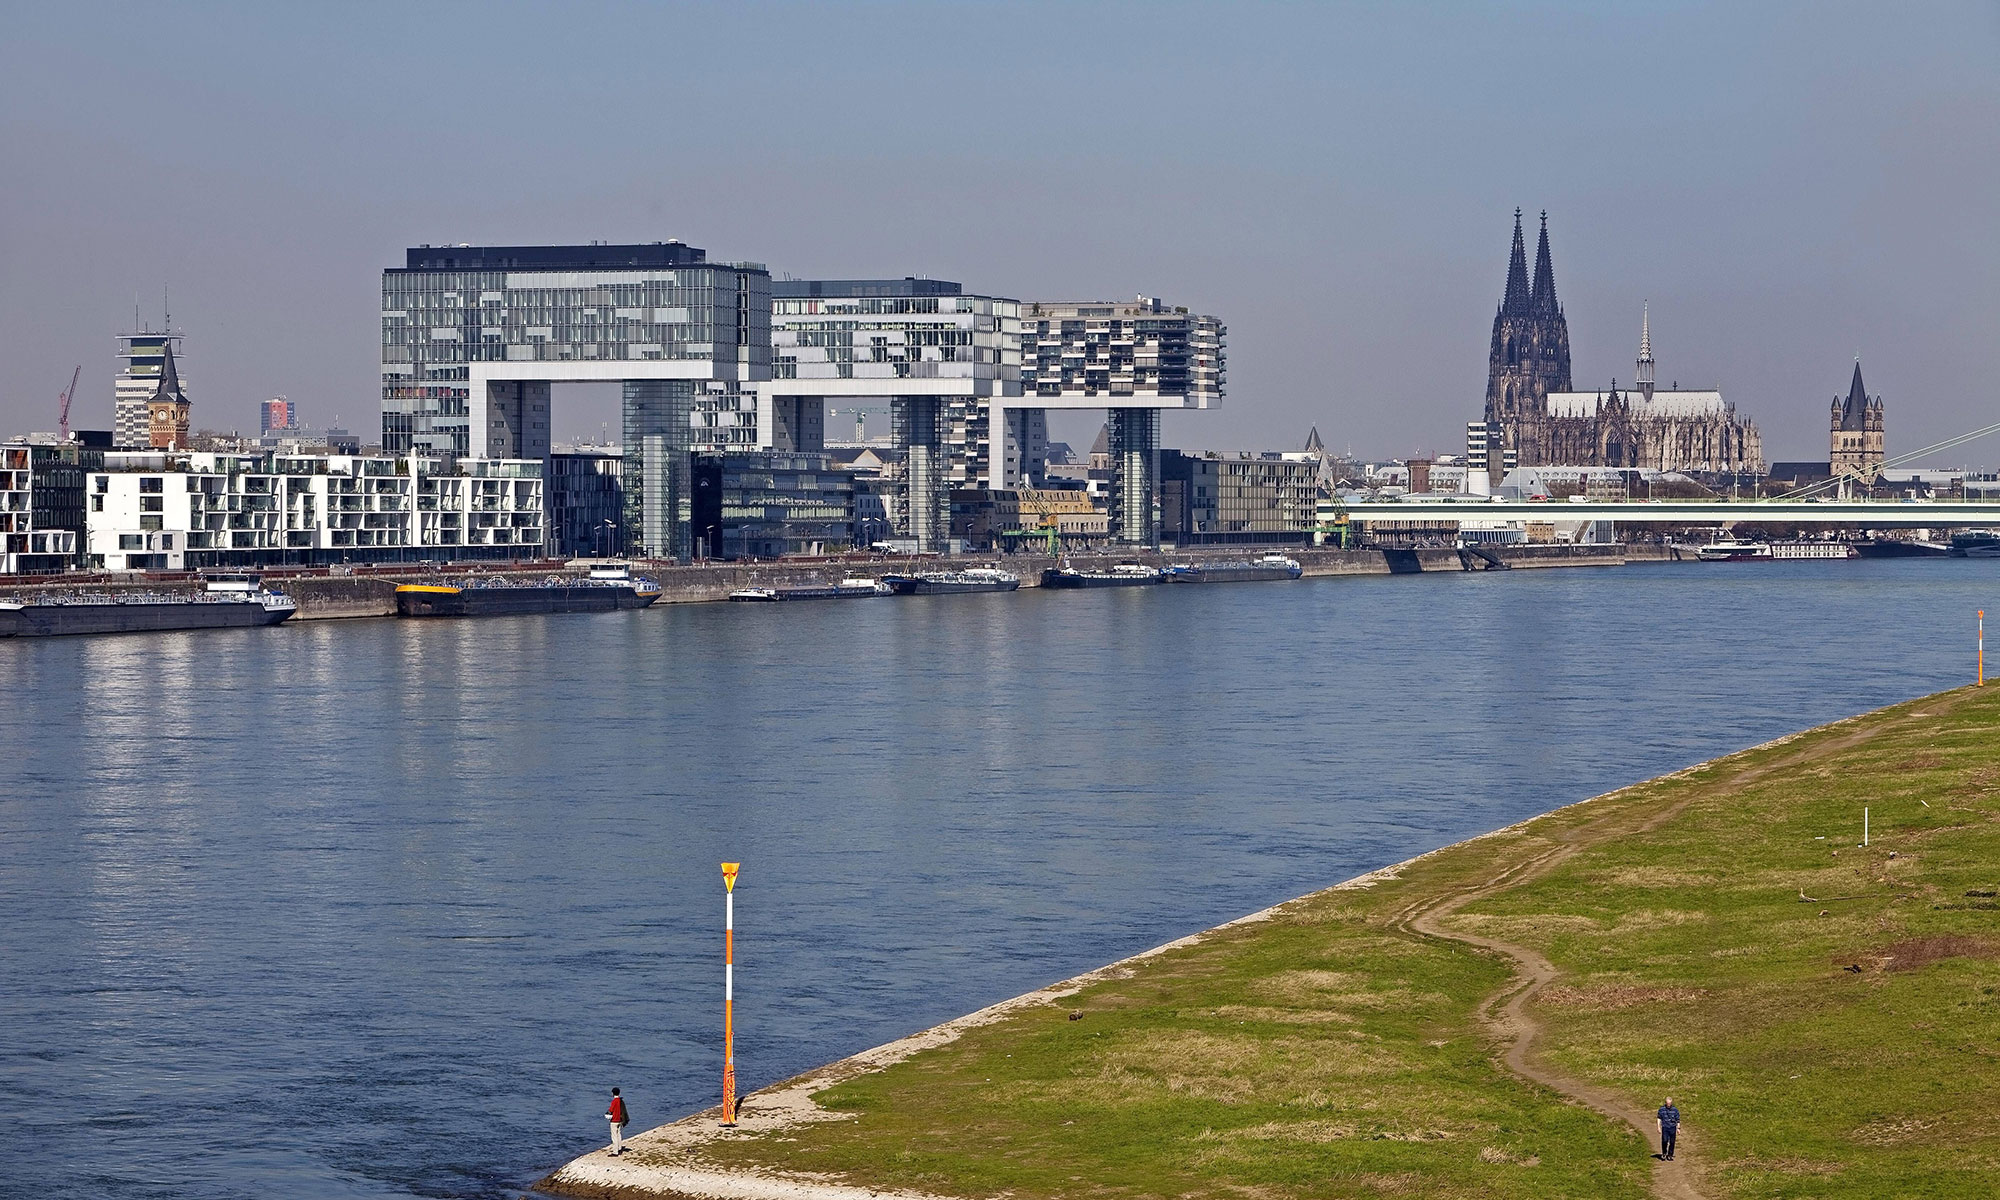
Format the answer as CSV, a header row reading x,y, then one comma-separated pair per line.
x,y
1869,514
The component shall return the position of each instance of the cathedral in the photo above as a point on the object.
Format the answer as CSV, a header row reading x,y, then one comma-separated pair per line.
x,y
1535,413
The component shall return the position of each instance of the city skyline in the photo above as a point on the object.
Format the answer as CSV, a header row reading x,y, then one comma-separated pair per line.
x,y
1788,188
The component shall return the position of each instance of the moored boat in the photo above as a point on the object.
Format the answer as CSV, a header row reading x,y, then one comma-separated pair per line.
x,y
1267,567
1900,548
225,602
1732,551
604,589
936,583
851,588
1122,575
1975,543
1811,549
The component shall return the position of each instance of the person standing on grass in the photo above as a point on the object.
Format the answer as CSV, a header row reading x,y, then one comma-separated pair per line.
x,y
1670,1125
618,1115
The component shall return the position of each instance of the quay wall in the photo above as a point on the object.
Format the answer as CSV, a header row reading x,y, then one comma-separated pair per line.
x,y
372,593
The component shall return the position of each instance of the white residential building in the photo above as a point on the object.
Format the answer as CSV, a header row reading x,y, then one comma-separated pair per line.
x,y
158,511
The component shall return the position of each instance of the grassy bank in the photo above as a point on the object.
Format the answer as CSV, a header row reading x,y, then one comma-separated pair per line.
x,y
1828,1017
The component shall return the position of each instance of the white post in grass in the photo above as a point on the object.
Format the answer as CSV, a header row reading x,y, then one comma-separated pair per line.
x,y
1864,825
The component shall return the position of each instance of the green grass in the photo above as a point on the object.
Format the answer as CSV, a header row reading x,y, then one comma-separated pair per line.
x,y
1332,1052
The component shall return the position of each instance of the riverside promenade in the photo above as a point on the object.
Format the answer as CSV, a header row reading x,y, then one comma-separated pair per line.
x,y
1496,1018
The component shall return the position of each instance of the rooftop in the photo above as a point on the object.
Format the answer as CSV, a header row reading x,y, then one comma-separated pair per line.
x,y
909,285
595,256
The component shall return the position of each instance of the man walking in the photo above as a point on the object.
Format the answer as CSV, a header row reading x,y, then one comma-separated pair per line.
x,y
1670,1125
618,1116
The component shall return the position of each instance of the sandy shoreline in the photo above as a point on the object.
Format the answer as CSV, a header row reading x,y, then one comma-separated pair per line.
x,y
665,1163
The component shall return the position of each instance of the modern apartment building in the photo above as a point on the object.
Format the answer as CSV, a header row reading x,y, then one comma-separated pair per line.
x,y
145,356
1133,359
945,362
474,338
157,511
41,507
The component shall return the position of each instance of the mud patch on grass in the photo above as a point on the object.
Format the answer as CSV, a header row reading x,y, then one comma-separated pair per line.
x,y
1914,954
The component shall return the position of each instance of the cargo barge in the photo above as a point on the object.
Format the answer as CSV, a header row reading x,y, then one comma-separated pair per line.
x,y
847,589
1122,575
1269,567
225,602
937,583
605,589
1975,543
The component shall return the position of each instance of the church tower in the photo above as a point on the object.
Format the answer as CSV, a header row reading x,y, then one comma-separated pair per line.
x,y
1645,376
1857,447
1529,355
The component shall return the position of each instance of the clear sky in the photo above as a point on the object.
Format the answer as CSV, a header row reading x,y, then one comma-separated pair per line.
x,y
1789,185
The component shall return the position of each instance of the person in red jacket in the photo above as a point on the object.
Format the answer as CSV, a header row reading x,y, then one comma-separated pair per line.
x,y
618,1115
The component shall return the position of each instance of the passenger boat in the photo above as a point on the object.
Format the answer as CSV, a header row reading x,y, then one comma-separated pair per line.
x,y
1270,566
1811,549
1731,551
851,588
1975,543
1122,575
935,583
225,602
604,589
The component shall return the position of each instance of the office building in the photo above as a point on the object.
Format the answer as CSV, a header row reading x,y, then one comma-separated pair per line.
x,y
586,502
771,504
1216,498
1133,359
1021,518
176,511
474,338
145,357
944,362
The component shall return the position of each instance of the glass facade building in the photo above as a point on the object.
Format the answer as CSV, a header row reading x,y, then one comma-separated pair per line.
x,y
473,337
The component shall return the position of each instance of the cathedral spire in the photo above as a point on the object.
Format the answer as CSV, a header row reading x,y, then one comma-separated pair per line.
x,y
1645,376
1517,299
1545,272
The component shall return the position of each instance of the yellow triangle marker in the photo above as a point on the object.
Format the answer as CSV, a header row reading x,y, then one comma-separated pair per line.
x,y
729,876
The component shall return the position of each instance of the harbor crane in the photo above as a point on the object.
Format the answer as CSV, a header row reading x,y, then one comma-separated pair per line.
x,y
62,413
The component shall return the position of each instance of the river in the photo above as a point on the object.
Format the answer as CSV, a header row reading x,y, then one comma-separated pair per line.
x,y
381,909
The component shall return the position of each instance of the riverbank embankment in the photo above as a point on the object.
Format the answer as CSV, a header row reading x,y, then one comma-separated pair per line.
x,y
1497,1018
339,593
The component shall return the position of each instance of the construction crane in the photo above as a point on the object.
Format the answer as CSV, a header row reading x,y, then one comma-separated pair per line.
x,y
62,414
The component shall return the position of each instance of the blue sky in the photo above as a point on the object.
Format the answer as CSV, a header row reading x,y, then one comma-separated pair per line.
x,y
1789,185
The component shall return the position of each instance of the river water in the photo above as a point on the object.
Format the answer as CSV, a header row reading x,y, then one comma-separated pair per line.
x,y
380,909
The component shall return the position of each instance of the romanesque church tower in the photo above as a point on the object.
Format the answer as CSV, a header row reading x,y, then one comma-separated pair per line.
x,y
1857,433
1529,357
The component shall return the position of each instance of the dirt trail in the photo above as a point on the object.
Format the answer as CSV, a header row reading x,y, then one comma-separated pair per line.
x,y
1505,1013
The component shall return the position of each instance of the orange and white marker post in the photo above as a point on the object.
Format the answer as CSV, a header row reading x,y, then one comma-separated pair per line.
x,y
729,993
1982,649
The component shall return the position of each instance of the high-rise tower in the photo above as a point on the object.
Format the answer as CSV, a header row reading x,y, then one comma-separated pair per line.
x,y
1529,355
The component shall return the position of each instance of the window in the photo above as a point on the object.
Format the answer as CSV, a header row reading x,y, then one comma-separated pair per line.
x,y
131,541
150,523
152,483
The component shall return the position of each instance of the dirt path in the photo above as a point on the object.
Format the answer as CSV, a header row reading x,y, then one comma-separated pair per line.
x,y
1505,1013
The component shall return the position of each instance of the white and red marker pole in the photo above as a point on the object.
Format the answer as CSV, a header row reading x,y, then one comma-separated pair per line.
x,y
1981,677
729,993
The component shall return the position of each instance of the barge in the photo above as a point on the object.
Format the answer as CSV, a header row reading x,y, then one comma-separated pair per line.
x,y
1122,575
225,602
937,583
1268,567
851,588
605,589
